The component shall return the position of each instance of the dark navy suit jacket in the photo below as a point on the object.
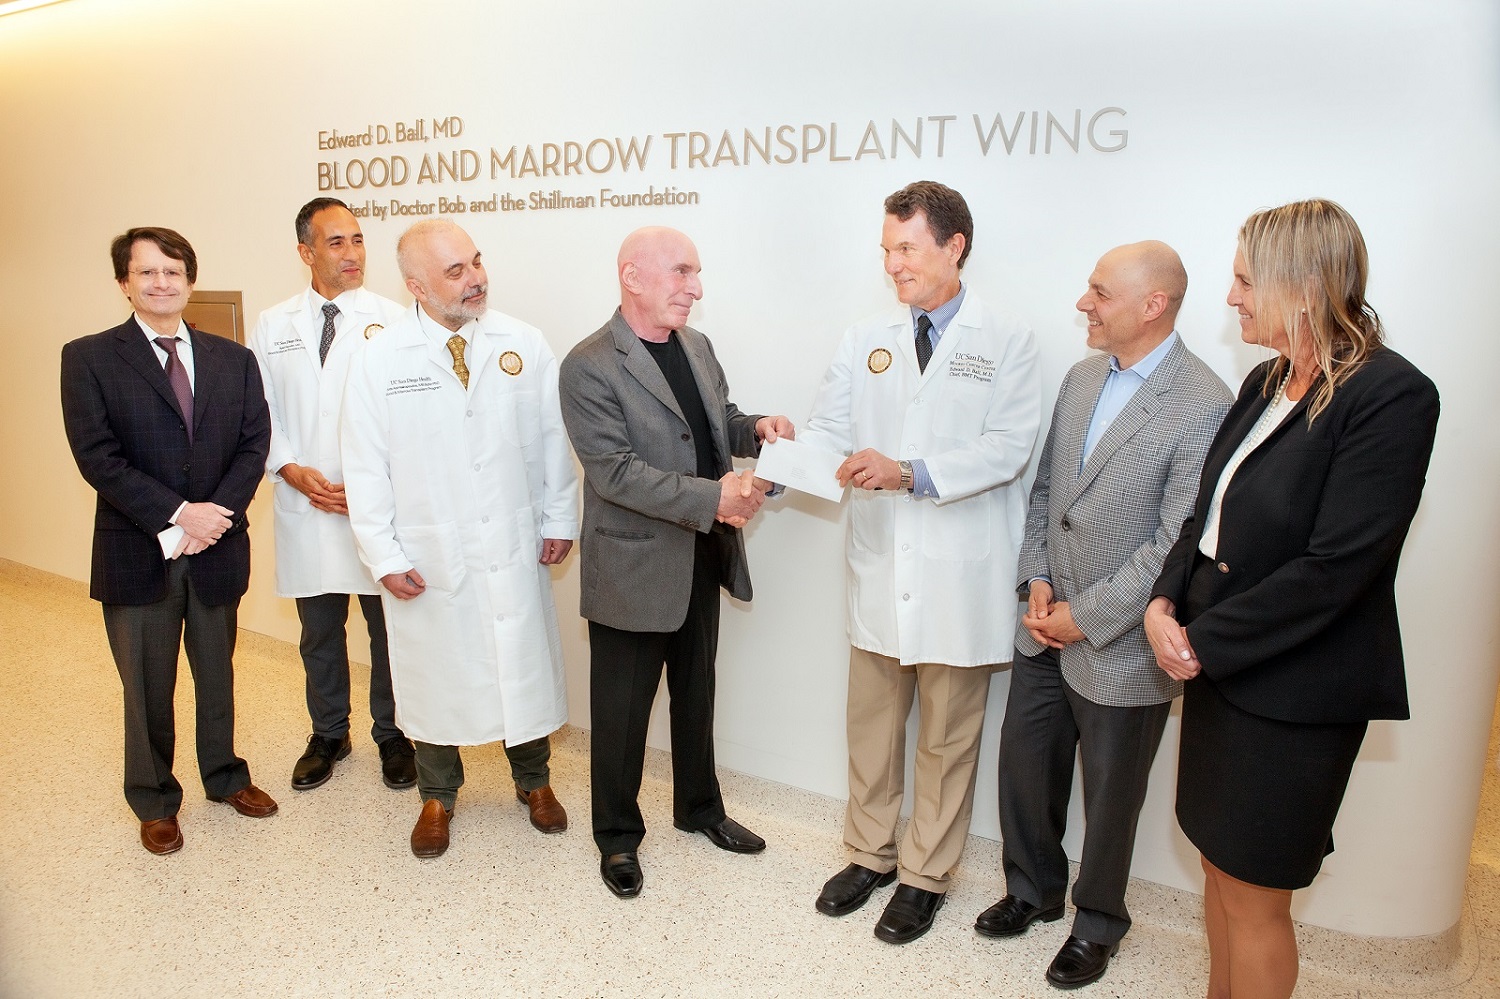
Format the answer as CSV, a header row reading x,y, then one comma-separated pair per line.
x,y
1301,618
131,444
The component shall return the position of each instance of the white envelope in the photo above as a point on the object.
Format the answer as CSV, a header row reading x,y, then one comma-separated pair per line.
x,y
169,540
801,466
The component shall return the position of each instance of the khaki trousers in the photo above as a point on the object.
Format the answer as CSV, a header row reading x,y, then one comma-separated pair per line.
x,y
951,702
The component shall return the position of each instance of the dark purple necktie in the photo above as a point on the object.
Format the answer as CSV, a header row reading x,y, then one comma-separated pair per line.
x,y
177,375
924,341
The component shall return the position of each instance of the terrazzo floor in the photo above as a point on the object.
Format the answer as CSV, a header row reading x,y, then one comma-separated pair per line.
x,y
325,899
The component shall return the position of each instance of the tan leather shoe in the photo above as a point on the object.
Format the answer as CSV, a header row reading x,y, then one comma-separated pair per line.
x,y
250,801
429,837
161,835
547,813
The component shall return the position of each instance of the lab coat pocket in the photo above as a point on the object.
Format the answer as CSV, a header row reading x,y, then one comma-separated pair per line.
x,y
958,532
528,536
523,418
436,553
289,502
870,525
962,411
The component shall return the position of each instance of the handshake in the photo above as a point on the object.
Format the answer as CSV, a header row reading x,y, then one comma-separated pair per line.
x,y
741,494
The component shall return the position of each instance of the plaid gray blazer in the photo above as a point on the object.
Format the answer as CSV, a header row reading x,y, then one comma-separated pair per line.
x,y
1101,535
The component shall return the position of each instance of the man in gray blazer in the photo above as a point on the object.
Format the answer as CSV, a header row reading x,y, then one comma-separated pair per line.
x,y
1116,479
647,408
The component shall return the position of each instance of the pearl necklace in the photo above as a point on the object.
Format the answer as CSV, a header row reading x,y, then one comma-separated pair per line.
x,y
1269,419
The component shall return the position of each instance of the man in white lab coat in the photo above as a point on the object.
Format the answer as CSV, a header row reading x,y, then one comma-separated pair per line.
x,y
462,493
937,404
304,346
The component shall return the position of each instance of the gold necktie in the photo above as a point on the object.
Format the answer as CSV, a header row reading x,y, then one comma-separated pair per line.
x,y
456,348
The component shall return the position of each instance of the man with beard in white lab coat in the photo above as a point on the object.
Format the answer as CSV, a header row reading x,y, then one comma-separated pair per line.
x,y
304,347
937,404
462,493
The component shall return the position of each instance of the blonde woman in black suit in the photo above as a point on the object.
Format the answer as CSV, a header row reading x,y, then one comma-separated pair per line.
x,y
1277,604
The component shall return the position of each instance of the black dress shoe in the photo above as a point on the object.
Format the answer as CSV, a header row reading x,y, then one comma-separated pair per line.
x,y
728,834
398,763
908,914
315,765
1080,962
622,873
851,888
1012,915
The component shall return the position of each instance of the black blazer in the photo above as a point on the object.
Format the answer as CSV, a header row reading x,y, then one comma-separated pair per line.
x,y
1301,624
131,444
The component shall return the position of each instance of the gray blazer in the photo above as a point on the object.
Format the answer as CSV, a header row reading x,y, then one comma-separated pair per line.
x,y
1101,535
643,504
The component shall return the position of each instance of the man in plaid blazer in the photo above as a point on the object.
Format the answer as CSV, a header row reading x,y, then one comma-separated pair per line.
x,y
1117,477
169,425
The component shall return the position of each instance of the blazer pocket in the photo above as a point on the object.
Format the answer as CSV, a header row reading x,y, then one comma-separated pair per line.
x,y
625,535
628,569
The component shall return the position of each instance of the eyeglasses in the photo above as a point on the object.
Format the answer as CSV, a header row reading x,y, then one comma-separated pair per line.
x,y
171,274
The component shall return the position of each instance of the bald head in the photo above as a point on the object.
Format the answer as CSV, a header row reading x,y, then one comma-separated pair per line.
x,y
1152,266
1133,298
443,272
658,270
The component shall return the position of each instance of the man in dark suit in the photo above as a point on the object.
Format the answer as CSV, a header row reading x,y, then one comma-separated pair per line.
x,y
169,425
647,408
1116,479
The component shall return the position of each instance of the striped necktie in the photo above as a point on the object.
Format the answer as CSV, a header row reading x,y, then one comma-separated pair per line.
x,y
177,376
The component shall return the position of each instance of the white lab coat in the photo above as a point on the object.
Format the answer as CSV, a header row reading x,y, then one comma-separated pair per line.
x,y
463,486
933,581
314,550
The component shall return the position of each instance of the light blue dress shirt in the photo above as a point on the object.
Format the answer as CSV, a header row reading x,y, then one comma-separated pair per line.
x,y
1119,386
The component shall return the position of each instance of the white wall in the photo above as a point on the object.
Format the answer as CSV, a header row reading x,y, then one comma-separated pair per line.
x,y
171,112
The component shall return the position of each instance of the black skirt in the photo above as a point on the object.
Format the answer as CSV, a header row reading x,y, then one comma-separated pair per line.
x,y
1255,795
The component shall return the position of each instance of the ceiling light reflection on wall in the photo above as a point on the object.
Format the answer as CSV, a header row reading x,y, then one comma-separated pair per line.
x,y
16,6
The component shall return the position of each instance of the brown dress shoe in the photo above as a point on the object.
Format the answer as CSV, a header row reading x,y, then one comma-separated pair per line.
x,y
161,835
547,813
429,837
250,801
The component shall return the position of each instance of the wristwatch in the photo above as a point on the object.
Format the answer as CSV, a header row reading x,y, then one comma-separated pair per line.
x,y
905,467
